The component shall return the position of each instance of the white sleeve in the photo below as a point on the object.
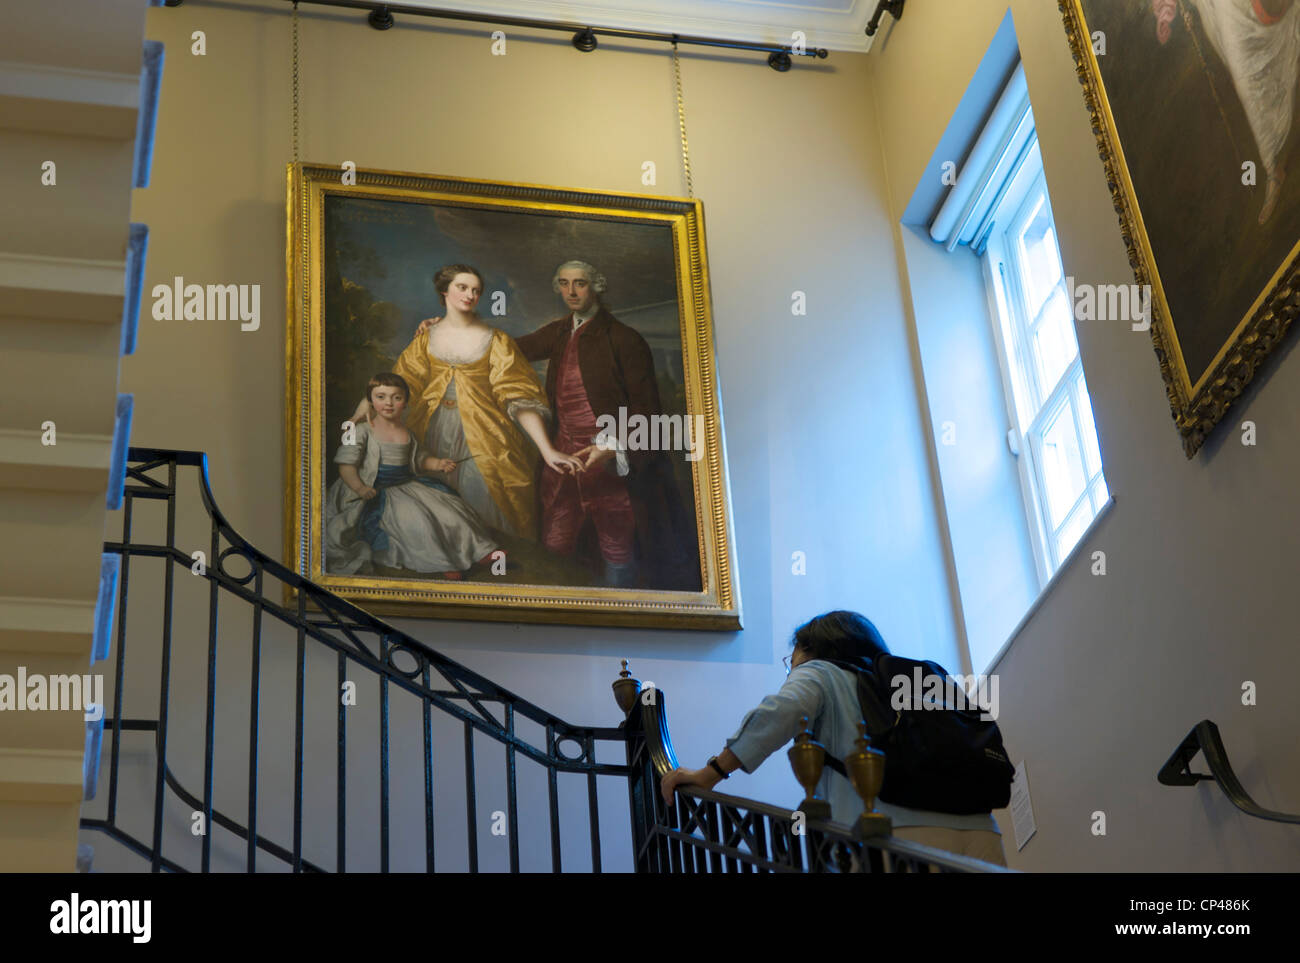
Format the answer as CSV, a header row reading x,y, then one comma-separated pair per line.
x,y
354,454
606,441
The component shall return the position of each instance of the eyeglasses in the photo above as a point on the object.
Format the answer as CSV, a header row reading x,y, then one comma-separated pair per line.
x,y
785,661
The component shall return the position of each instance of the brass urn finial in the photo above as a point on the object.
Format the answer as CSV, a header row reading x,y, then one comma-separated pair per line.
x,y
807,759
866,769
626,689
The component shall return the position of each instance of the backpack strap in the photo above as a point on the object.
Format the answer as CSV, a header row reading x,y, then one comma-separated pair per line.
x,y
835,764
879,717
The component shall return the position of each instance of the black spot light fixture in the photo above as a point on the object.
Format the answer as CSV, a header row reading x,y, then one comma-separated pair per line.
x,y
892,7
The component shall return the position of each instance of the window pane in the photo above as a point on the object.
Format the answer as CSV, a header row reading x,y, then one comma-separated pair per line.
x,y
1019,377
1100,492
1055,347
1063,475
1092,454
1042,263
1072,529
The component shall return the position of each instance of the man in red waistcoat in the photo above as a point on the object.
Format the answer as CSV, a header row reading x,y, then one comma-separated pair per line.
x,y
597,365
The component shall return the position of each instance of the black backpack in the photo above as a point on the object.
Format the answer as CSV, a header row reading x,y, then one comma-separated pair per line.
x,y
943,759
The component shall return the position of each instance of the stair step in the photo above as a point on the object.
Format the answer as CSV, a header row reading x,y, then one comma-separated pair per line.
x,y
48,626
66,100
75,463
41,775
41,287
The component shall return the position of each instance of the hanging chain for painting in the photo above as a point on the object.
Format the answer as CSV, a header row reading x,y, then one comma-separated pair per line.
x,y
305,337
295,83
681,122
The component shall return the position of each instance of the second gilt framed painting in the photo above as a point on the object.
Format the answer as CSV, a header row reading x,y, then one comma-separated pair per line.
x,y
502,402
1194,106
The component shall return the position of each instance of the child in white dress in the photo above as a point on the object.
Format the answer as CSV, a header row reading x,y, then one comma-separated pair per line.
x,y
382,511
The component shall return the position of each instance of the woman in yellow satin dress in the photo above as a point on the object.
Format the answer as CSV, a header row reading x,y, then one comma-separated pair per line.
x,y
474,397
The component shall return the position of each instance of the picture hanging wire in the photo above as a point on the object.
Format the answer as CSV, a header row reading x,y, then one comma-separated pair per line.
x,y
677,80
295,83
681,123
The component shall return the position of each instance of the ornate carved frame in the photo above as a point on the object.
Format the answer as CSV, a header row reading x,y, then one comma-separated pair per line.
x,y
717,607
1196,406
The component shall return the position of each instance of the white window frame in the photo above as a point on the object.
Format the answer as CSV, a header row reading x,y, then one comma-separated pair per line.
x,y
1007,306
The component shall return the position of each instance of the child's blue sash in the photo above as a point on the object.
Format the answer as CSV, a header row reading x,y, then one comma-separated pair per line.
x,y
373,510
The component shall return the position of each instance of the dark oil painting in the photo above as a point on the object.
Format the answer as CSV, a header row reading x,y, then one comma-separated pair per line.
x,y
493,509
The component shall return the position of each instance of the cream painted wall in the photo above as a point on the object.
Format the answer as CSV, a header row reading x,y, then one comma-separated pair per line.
x,y
825,441
1112,671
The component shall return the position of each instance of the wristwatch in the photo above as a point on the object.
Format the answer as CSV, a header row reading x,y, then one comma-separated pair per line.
x,y
713,763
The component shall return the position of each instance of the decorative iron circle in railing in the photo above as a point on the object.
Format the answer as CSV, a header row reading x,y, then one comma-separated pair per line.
x,y
235,550
390,659
557,746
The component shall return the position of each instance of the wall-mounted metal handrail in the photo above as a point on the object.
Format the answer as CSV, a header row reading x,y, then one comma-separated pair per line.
x,y
1204,738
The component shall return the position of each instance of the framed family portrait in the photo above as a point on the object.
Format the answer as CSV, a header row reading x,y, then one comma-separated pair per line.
x,y
502,404
1193,103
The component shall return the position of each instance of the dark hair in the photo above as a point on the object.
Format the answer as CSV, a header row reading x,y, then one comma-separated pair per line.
x,y
442,280
841,636
387,379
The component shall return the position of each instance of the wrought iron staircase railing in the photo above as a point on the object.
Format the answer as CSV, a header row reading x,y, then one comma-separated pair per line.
x,y
703,832
358,639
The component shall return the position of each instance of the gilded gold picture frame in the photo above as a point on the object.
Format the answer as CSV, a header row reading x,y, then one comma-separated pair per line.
x,y
1175,129
363,247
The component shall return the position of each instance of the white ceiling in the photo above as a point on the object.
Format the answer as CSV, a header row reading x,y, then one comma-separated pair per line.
x,y
833,24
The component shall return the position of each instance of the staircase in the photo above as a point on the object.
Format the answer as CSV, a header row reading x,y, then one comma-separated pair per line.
x,y
78,87
260,723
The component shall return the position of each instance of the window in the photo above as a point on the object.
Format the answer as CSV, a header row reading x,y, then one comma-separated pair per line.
x,y
1047,397
1014,443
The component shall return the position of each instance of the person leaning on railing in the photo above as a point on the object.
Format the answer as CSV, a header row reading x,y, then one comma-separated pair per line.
x,y
828,695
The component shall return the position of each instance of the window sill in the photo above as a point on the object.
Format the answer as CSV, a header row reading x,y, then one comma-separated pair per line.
x,y
1051,584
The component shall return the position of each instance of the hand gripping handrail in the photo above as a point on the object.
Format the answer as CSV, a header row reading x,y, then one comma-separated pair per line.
x,y
1204,738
